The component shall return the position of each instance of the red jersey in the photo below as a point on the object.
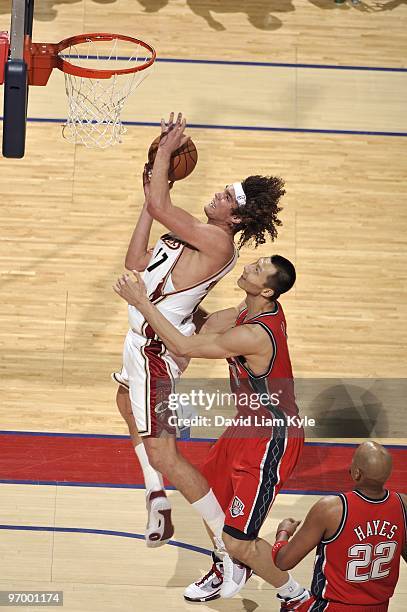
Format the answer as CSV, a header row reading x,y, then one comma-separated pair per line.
x,y
274,388
249,464
360,563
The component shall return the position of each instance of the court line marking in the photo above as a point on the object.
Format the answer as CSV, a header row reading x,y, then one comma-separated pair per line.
x,y
279,64
107,485
126,437
120,534
245,128
209,62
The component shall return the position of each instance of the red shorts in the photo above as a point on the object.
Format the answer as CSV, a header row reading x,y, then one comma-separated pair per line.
x,y
246,474
320,605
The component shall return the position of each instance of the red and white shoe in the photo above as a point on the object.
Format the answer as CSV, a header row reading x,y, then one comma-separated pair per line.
x,y
159,529
208,587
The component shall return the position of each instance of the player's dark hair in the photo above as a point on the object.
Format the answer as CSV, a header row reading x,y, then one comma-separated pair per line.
x,y
260,213
284,277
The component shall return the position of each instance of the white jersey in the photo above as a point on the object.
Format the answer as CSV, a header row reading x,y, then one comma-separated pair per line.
x,y
176,306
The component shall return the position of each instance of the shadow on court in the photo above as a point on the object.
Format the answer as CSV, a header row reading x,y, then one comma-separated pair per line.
x,y
215,13
261,13
351,410
389,6
46,10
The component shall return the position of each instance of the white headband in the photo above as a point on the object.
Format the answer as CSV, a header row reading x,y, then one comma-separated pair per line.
x,y
240,194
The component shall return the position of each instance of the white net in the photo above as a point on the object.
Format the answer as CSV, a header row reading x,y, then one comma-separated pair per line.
x,y
95,104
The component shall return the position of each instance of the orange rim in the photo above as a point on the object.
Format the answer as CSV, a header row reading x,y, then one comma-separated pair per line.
x,y
90,73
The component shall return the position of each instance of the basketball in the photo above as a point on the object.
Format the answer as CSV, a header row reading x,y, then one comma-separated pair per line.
x,y
183,160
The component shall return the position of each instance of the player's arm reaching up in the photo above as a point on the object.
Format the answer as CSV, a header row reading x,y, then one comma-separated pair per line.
x,y
206,238
138,254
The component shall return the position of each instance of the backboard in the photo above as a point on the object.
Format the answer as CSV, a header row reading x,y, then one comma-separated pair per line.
x,y
16,80
101,71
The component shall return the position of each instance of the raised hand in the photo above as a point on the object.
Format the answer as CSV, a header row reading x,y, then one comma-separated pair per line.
x,y
172,134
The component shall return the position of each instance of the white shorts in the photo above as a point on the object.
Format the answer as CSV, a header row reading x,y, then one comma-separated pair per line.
x,y
149,373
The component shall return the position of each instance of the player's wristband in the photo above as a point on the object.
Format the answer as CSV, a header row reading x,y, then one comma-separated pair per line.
x,y
277,546
281,531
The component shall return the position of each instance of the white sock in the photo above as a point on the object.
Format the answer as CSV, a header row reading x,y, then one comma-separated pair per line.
x,y
290,588
209,508
152,478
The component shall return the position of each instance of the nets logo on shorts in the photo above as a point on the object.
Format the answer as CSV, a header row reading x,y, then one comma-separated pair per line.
x,y
237,507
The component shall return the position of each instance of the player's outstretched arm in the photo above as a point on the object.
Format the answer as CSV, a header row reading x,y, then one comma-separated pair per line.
x,y
138,254
206,238
221,320
242,340
324,515
217,322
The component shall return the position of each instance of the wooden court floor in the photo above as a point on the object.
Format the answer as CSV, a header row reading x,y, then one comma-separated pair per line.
x,y
68,213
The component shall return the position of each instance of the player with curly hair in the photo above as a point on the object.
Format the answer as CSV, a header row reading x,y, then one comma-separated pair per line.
x,y
178,273
254,207
260,213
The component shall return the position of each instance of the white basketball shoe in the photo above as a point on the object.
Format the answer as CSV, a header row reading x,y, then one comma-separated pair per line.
x,y
208,587
159,529
235,576
225,579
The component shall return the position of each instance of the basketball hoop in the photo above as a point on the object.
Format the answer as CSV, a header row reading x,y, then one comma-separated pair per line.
x,y
101,71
